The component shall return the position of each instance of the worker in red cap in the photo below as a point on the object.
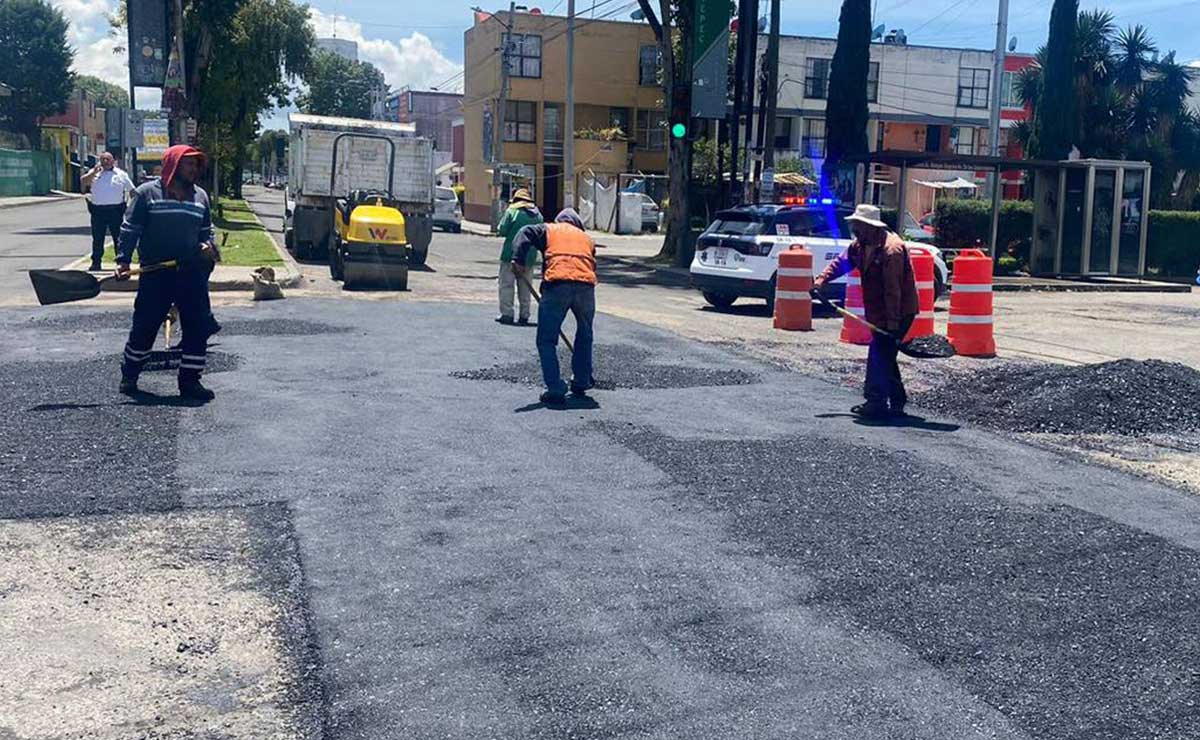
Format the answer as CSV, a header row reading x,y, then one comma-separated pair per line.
x,y
169,220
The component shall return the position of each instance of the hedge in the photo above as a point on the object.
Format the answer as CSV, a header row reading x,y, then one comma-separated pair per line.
x,y
1173,243
960,223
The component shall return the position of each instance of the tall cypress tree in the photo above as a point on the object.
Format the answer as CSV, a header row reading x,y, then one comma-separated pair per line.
x,y
1054,121
846,110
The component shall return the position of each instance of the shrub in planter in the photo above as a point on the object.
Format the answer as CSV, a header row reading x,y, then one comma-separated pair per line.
x,y
961,223
1173,243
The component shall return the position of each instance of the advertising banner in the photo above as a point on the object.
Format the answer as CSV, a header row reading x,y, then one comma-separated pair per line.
x,y
155,140
710,58
149,42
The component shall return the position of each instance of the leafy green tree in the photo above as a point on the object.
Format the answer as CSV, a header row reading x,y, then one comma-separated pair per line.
x,y
1055,119
106,94
846,110
35,61
340,87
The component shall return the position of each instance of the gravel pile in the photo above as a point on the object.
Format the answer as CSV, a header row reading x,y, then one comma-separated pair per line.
x,y
1124,397
1043,612
617,366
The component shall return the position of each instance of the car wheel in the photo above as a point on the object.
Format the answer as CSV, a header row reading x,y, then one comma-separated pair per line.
x,y
939,287
771,296
457,228
719,300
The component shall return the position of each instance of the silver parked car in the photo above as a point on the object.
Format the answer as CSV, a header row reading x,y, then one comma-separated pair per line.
x,y
447,213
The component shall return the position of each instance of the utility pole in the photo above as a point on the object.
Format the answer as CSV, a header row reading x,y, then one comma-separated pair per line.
x,y
735,123
997,187
82,148
748,105
501,106
772,93
569,116
177,22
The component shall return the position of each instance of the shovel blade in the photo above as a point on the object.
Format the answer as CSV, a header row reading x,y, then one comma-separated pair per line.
x,y
928,347
63,286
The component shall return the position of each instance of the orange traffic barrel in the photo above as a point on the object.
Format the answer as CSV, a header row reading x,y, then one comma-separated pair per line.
x,y
923,271
855,332
793,290
970,328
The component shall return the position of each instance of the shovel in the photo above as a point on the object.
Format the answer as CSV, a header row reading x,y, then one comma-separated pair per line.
x,y
928,347
64,286
537,296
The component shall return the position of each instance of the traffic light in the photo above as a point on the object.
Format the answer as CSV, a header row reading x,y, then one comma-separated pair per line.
x,y
681,110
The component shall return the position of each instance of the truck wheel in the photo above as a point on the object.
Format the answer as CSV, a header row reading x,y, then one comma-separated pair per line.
x,y
303,250
719,300
417,256
289,240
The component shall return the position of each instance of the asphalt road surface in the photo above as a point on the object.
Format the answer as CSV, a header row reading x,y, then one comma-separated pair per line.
x,y
44,236
697,554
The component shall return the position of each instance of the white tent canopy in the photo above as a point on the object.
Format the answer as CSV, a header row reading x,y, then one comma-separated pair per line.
x,y
957,183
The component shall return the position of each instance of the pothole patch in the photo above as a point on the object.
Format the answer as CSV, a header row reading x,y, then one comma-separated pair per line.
x,y
618,366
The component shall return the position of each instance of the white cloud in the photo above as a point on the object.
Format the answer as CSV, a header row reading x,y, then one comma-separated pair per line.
x,y
413,61
95,47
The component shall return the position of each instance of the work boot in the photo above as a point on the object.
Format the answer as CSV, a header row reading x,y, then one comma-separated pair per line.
x,y
897,410
95,266
128,385
871,410
195,391
550,398
506,320
523,321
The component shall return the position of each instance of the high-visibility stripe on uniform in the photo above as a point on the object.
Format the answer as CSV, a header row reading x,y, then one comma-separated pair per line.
x,y
792,295
795,272
972,288
925,315
957,319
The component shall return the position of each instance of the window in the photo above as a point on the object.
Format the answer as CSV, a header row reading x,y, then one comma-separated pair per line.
x,y
651,129
783,133
813,144
1008,91
816,78
409,97
973,87
964,139
520,121
524,55
827,223
649,66
619,117
873,83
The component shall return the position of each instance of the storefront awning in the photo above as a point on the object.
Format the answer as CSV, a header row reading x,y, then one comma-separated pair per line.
x,y
957,183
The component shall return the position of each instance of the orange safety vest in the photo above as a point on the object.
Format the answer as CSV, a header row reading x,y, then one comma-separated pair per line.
x,y
570,255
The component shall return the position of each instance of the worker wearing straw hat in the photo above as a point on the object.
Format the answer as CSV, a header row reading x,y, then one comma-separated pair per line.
x,y
521,213
889,300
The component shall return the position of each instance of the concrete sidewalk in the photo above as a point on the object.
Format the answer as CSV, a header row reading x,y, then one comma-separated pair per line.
x,y
17,201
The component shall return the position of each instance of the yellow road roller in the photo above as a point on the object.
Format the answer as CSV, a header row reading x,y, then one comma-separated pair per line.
x,y
367,246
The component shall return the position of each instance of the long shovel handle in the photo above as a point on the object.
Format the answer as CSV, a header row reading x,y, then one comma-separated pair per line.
x,y
145,270
848,314
537,296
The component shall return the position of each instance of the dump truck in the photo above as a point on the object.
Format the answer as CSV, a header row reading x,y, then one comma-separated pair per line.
x,y
320,177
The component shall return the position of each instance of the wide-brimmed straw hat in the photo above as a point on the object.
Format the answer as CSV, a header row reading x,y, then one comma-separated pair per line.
x,y
520,195
867,214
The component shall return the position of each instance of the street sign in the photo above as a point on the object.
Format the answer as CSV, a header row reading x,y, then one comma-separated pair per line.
x,y
191,130
156,138
710,80
767,186
148,42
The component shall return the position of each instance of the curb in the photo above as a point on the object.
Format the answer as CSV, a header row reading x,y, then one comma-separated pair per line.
x,y
58,197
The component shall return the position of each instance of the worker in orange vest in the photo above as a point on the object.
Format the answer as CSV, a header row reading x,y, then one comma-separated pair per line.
x,y
568,284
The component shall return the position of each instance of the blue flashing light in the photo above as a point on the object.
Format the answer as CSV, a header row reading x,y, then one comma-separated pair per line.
x,y
828,202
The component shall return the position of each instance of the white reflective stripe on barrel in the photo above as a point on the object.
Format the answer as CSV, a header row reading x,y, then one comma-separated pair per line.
x,y
925,315
856,310
795,272
792,295
970,319
925,285
971,288
853,281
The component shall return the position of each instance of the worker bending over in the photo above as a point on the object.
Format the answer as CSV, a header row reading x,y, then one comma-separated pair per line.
x,y
568,284
890,301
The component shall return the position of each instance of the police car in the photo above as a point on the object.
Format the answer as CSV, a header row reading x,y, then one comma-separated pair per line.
x,y
738,254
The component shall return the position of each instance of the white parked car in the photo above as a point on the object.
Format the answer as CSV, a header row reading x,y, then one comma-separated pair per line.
x,y
447,213
738,254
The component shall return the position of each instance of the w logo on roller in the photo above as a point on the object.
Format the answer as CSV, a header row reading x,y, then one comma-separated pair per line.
x,y
377,234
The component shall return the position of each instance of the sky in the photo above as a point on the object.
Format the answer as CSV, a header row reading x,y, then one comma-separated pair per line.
x,y
420,42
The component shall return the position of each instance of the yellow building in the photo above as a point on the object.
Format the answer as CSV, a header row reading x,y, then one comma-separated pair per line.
x,y
616,84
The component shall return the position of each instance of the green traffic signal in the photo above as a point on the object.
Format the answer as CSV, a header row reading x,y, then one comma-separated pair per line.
x,y
678,130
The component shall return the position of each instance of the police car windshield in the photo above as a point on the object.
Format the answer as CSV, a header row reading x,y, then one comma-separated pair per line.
x,y
738,225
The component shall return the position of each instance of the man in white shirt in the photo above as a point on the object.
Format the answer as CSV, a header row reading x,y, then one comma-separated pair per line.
x,y
109,186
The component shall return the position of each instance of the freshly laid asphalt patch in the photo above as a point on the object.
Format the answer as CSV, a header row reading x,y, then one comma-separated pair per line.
x,y
1123,397
617,366
120,321
1072,625
70,444
276,328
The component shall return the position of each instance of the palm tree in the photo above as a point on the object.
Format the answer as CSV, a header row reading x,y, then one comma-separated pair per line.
x,y
1134,51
